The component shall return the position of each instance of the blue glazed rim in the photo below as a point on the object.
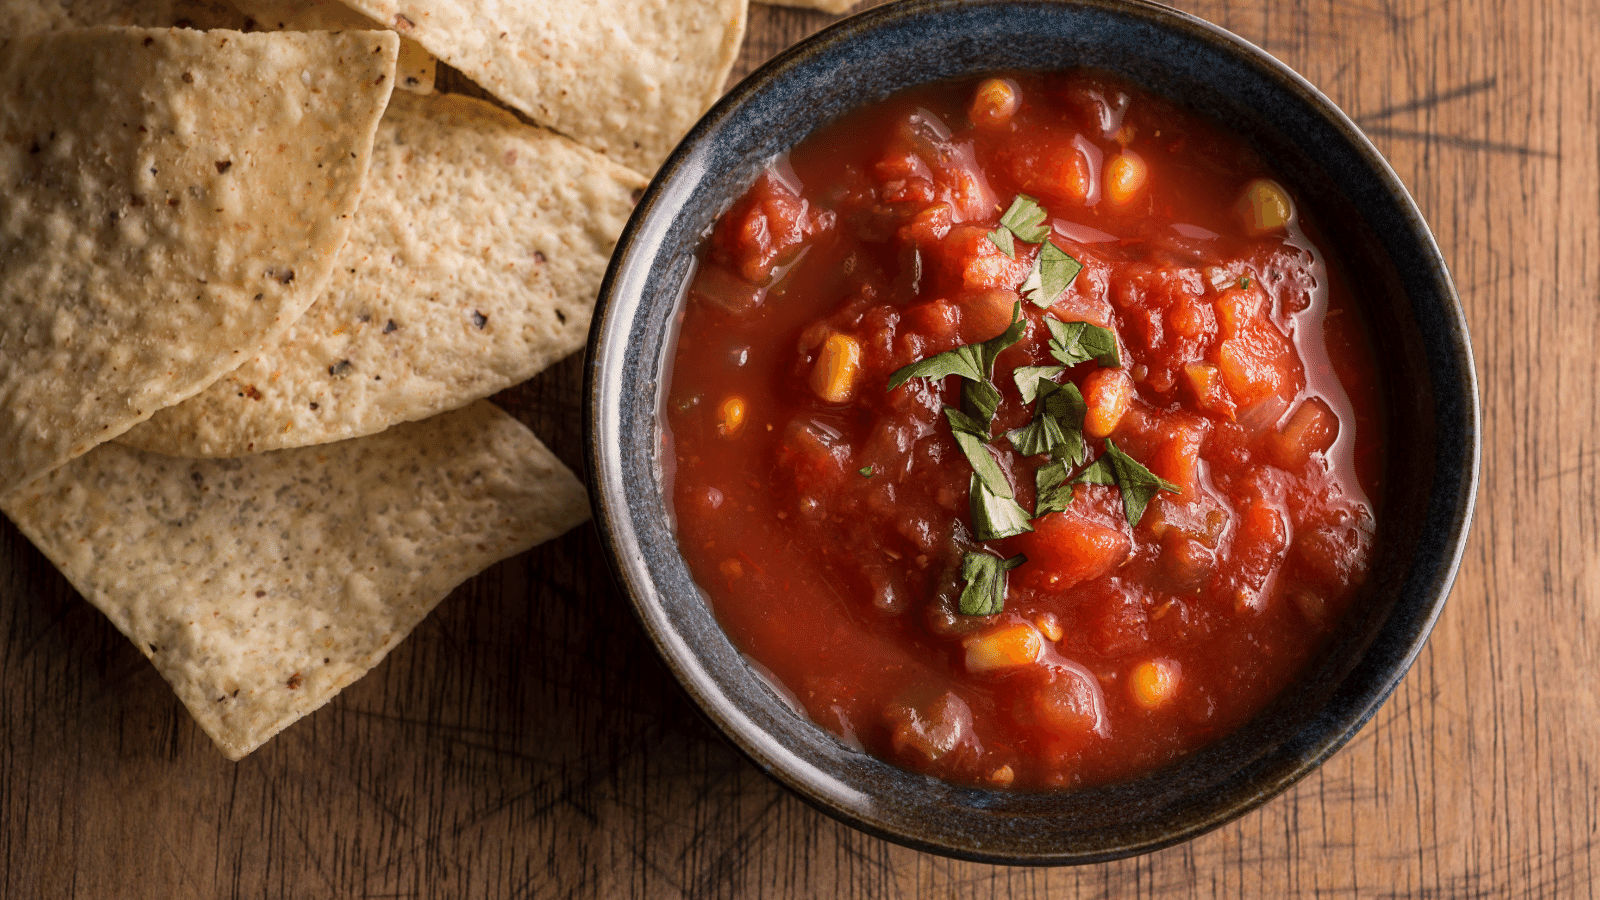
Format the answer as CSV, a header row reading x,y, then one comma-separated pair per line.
x,y
1416,318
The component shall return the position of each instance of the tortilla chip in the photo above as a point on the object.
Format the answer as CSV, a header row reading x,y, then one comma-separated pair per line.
x,y
627,79
261,587
18,17
415,68
172,200
472,265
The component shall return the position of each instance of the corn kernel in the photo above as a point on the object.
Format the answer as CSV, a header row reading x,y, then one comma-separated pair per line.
x,y
1006,647
1266,206
994,103
833,377
1154,682
1126,174
730,416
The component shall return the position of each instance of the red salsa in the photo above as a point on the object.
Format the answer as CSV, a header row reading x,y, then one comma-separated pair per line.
x,y
1020,433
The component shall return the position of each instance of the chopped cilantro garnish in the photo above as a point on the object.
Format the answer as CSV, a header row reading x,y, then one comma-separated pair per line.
x,y
981,398
867,471
973,438
1057,426
995,516
1025,219
985,577
1001,237
974,363
1138,484
1078,342
1053,492
1030,379
1052,272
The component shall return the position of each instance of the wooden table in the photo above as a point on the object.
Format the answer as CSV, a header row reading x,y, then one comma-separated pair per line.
x,y
525,743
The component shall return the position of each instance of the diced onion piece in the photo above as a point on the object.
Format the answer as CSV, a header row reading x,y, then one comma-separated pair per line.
x,y
1311,604
994,103
931,729
730,416
1266,206
833,377
1154,683
1310,430
1006,647
1126,174
1068,704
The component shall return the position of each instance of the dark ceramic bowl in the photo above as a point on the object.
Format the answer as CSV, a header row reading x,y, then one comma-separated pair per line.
x,y
1367,217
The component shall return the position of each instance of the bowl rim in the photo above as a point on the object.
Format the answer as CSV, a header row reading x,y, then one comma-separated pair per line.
x,y
620,540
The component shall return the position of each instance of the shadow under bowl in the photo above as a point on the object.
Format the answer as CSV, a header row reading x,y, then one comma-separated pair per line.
x,y
1368,222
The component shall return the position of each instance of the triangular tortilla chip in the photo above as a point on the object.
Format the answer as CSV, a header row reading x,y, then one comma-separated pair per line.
x,y
415,67
18,17
473,263
627,79
172,200
260,587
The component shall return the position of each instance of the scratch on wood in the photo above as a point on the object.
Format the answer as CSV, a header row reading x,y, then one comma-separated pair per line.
x,y
1428,101
1464,143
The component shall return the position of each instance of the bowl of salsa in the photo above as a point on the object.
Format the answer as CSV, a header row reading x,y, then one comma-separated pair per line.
x,y
1032,432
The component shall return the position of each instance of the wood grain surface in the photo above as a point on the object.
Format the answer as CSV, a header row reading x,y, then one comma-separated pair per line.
x,y
525,743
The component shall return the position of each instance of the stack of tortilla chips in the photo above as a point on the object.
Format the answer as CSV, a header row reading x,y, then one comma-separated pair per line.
x,y
251,298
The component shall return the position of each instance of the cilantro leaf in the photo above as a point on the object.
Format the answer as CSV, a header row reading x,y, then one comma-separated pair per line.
x,y
1057,426
1001,237
1037,436
981,395
867,471
973,437
1053,271
991,348
973,362
985,577
1053,491
981,398
965,361
1030,379
1101,471
961,423
1138,484
1078,342
994,515
1025,219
